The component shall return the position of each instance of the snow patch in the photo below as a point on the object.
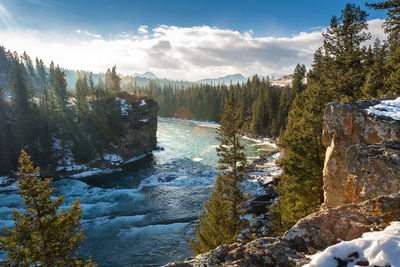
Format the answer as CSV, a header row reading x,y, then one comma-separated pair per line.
x,y
380,248
144,120
113,159
387,108
143,103
125,107
3,179
261,141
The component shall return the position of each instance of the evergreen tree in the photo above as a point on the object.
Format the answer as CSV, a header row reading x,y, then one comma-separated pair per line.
x,y
392,66
221,221
338,74
376,75
23,114
344,55
43,235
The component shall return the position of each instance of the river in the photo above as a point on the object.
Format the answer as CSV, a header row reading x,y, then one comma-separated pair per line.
x,y
144,215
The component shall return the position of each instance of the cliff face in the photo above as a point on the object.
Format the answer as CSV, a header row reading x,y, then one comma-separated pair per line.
x,y
139,124
139,119
353,168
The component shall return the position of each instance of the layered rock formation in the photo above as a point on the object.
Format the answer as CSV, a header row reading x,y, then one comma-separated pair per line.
x,y
350,124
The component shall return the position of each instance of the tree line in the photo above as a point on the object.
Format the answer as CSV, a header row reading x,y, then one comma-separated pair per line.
x,y
39,114
263,108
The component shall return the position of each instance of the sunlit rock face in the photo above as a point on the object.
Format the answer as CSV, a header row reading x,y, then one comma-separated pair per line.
x,y
353,169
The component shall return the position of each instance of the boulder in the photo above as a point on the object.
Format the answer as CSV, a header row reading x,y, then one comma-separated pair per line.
x,y
346,125
347,222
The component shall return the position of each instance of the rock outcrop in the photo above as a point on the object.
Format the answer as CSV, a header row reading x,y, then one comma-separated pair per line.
x,y
311,234
350,124
140,124
138,116
324,228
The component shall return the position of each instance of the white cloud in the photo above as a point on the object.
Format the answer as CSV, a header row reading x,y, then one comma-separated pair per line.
x,y
143,29
98,36
188,53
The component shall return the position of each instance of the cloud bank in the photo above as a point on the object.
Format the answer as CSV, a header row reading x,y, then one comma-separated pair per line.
x,y
182,53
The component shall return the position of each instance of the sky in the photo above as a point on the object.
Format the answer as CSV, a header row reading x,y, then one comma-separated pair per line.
x,y
175,39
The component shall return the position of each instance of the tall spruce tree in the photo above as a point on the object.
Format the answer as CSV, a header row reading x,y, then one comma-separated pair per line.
x,y
221,221
338,74
43,235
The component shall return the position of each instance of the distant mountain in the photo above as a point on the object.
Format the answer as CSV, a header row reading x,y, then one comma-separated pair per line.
x,y
147,75
235,78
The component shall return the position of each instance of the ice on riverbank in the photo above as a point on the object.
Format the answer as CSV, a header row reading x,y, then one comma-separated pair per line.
x,y
210,124
262,141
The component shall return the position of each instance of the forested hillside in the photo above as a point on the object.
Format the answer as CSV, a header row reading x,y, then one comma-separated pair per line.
x,y
39,114
264,107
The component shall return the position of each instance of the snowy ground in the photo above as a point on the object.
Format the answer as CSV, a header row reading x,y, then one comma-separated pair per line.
x,y
387,108
263,173
264,141
372,249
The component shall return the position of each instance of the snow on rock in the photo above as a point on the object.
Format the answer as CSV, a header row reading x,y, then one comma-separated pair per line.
x,y
144,120
113,159
380,248
143,103
387,108
3,180
125,107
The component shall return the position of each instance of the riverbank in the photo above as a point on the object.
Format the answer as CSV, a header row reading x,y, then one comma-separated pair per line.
x,y
209,124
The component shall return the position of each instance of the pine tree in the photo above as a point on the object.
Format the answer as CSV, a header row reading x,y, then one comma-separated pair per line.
x,y
338,74
43,235
221,221
392,28
374,84
23,113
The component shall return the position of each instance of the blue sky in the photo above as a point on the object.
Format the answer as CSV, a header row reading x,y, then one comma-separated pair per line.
x,y
278,18
255,33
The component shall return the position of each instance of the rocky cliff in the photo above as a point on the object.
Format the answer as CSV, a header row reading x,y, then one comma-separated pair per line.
x,y
361,185
354,169
139,117
139,124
